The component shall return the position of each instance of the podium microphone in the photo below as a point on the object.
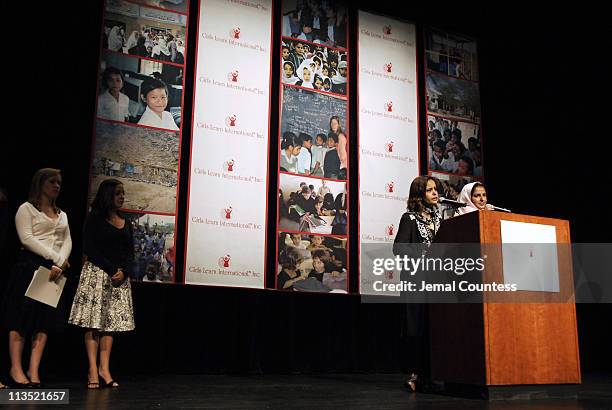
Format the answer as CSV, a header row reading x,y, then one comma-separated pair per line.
x,y
451,202
498,208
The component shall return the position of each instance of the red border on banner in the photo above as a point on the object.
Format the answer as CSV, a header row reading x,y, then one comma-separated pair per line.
x,y
135,125
106,50
450,117
315,44
161,8
418,129
341,96
177,133
348,143
195,73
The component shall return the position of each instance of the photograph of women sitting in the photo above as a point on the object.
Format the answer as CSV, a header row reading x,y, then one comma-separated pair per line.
x,y
312,205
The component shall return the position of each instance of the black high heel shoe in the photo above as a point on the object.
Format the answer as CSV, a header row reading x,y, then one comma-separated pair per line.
x,y
16,385
104,383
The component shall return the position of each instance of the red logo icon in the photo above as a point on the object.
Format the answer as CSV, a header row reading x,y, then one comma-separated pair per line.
x,y
231,121
389,106
387,30
228,212
235,33
390,229
224,261
388,67
390,186
233,76
389,274
389,146
229,165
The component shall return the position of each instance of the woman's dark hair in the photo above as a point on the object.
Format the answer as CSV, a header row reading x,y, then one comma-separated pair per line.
x,y
416,198
290,140
323,256
151,84
290,259
38,180
318,77
103,202
476,185
110,70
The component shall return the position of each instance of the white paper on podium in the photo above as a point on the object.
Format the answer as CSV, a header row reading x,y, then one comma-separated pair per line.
x,y
44,290
527,261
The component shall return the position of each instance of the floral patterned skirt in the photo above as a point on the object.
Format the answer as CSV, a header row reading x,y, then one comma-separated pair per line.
x,y
99,305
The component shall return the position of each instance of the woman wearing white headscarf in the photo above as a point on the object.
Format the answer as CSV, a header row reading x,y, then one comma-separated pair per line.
x,y
475,196
133,40
306,74
115,39
160,51
289,76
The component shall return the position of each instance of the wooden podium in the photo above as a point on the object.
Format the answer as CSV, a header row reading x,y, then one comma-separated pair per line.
x,y
509,343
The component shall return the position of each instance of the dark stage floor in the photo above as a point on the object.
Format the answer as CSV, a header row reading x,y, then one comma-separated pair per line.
x,y
346,391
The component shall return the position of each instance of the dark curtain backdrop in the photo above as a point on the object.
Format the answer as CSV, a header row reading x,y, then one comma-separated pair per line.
x,y
543,122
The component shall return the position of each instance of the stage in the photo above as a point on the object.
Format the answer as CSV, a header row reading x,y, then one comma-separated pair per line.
x,y
320,391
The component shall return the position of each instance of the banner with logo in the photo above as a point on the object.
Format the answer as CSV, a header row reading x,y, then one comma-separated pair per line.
x,y
454,138
138,123
388,131
228,182
314,146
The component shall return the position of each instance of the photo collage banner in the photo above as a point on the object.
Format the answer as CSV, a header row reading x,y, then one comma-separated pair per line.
x,y
314,143
138,123
388,133
228,181
454,135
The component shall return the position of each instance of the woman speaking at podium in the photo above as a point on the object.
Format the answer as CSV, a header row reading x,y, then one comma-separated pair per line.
x,y
416,232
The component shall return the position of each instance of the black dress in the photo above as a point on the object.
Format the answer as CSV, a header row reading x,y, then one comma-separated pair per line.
x,y
42,234
413,239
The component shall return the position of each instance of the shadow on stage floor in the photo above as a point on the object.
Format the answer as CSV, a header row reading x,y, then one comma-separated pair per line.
x,y
345,391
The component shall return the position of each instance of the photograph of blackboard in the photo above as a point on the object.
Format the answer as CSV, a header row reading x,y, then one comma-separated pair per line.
x,y
313,138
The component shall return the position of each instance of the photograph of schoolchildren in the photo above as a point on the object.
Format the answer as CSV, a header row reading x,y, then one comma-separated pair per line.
x,y
154,253
316,21
142,92
144,160
451,55
311,263
314,66
454,146
313,138
142,31
312,205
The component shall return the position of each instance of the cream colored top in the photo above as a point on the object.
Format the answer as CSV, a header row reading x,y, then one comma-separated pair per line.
x,y
47,237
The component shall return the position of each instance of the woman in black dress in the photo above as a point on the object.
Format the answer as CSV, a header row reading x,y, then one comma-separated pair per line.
x,y
45,238
416,232
103,301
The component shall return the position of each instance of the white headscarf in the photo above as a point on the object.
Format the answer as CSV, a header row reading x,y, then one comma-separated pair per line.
x,y
300,73
466,197
133,40
115,39
289,80
160,48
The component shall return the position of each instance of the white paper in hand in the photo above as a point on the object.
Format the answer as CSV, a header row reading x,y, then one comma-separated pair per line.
x,y
44,290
